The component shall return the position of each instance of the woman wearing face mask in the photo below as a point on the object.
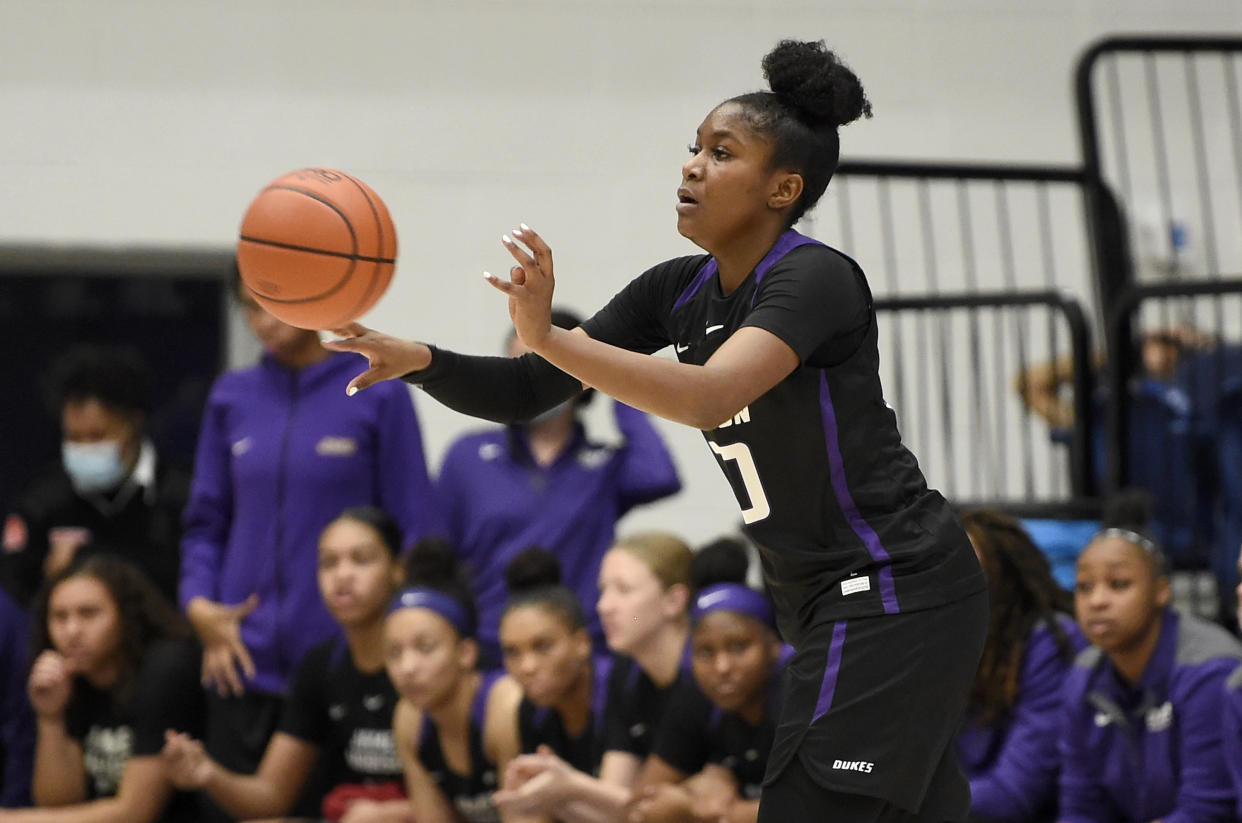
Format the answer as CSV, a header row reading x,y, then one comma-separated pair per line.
x,y
116,667
279,455
454,725
112,490
712,747
1008,745
644,592
777,363
542,482
337,720
1141,729
547,650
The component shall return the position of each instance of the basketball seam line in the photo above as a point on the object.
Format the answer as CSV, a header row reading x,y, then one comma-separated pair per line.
x,y
341,254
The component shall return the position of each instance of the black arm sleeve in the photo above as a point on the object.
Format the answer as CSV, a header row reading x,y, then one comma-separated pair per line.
x,y
500,389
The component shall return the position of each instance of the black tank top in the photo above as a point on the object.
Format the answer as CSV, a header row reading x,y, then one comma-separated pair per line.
x,y
541,725
470,794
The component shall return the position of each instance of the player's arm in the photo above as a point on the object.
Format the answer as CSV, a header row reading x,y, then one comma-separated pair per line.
x,y
501,738
270,791
427,802
746,366
141,798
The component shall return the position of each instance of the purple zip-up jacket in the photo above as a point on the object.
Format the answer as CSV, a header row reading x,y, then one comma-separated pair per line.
x,y
1231,734
281,453
498,502
1012,763
1151,751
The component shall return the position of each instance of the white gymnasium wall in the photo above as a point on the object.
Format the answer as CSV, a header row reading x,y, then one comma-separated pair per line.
x,y
147,123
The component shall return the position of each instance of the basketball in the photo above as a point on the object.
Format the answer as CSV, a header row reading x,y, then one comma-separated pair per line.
x,y
317,248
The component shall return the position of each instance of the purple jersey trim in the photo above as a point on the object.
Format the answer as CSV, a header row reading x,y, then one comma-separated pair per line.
x,y
884,575
786,243
831,669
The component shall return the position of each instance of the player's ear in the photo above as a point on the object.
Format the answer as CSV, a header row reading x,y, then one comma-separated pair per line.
x,y
786,189
676,600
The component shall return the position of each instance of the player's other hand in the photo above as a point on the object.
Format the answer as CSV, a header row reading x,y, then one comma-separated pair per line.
x,y
219,628
50,684
387,356
530,285
185,761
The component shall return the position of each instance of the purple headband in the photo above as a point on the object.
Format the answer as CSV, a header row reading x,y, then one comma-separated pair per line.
x,y
733,597
442,604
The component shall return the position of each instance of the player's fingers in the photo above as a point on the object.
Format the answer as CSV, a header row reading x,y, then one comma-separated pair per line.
x,y
539,248
368,378
505,286
351,330
243,658
520,254
517,276
345,344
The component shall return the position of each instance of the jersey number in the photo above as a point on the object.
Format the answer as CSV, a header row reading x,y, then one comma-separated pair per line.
x,y
740,453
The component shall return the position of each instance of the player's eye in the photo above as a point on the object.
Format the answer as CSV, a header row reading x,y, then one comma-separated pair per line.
x,y
694,148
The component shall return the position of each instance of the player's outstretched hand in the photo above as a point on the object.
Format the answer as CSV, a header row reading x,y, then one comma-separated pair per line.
x,y
387,356
530,285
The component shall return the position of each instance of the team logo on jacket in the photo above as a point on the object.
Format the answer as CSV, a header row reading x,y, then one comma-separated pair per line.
x,y
336,447
1160,717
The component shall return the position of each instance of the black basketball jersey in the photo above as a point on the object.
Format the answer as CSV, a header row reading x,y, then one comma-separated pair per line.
x,y
346,713
636,705
470,794
696,732
844,520
543,726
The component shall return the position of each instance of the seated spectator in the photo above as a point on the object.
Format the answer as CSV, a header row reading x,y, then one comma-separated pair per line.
x,y
116,668
282,451
337,720
547,650
1141,730
643,602
544,483
711,749
1231,725
1008,744
110,491
17,730
453,726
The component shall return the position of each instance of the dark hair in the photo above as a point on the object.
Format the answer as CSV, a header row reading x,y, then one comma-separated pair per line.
x,y
813,94
723,560
1127,514
379,520
146,616
533,578
116,376
431,563
1022,593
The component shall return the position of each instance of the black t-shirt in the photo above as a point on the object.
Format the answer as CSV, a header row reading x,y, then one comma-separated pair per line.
x,y
636,706
696,732
111,728
470,794
347,714
541,726
843,518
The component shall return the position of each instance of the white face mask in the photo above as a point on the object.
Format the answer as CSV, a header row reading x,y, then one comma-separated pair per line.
x,y
93,467
552,413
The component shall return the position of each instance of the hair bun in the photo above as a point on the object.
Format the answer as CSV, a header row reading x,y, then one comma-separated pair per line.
x,y
431,562
1130,509
532,568
815,83
723,560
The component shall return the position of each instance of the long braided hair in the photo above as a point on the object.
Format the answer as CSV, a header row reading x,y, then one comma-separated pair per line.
x,y
1022,593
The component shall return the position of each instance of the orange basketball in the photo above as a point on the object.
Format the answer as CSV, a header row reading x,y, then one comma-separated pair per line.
x,y
317,248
